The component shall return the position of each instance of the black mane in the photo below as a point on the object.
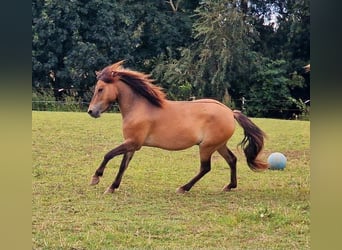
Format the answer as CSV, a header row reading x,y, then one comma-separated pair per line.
x,y
139,82
144,87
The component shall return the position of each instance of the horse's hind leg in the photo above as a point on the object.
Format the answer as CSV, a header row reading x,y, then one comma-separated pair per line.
x,y
123,166
205,168
231,160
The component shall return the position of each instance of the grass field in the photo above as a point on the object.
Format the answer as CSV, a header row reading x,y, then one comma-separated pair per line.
x,y
268,210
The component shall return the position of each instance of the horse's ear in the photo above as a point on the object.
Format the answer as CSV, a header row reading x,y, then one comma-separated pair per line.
x,y
117,65
113,73
97,72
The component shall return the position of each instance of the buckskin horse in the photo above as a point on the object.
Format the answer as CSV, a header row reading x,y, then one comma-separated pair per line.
x,y
149,119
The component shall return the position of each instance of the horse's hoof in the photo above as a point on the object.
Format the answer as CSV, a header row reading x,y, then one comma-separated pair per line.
x,y
94,180
109,191
181,190
228,188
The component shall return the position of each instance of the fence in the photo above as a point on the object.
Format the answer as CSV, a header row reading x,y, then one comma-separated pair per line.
x,y
73,106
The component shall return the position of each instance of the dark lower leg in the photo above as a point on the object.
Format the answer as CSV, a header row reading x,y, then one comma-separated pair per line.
x,y
123,166
121,149
231,160
205,168
99,172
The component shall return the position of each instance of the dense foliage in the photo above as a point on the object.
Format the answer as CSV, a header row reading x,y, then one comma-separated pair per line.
x,y
247,53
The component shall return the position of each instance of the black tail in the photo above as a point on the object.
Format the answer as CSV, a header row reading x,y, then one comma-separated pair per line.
x,y
252,143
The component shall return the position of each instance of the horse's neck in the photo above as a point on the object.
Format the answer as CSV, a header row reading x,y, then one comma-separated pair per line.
x,y
130,102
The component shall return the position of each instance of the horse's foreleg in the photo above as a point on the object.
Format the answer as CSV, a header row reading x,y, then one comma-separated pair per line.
x,y
231,160
125,147
123,166
205,168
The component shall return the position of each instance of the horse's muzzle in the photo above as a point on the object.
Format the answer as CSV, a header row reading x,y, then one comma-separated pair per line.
x,y
93,113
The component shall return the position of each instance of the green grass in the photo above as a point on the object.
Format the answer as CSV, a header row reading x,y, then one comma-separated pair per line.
x,y
268,210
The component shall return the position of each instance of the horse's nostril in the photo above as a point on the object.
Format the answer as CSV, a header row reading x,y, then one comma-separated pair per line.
x,y
90,111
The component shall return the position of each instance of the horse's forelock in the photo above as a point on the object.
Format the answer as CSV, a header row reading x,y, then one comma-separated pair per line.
x,y
107,75
109,72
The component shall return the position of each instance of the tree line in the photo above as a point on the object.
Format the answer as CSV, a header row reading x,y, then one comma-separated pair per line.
x,y
249,54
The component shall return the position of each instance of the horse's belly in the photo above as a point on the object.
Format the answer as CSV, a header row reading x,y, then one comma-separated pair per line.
x,y
173,139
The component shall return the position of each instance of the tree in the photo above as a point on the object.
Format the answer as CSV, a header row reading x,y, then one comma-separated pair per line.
x,y
284,28
218,55
269,95
226,50
72,39
49,39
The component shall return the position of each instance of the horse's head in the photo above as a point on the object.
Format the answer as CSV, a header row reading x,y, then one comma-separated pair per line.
x,y
106,92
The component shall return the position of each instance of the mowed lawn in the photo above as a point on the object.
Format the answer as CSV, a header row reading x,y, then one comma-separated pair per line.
x,y
268,210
